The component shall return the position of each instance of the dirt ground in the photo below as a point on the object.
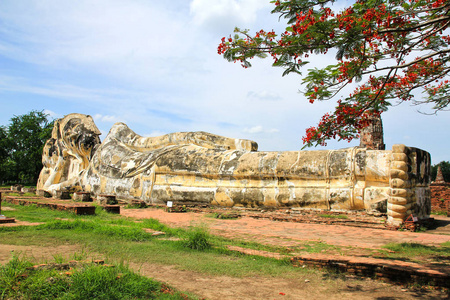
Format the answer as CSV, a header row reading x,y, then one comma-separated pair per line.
x,y
287,234
268,232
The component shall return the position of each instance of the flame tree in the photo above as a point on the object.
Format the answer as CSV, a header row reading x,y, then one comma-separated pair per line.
x,y
385,51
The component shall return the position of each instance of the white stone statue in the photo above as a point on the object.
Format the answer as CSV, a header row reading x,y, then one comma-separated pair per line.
x,y
203,168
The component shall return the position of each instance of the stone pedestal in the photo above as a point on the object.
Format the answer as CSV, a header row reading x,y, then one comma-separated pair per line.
x,y
106,200
82,196
16,188
43,193
28,190
114,209
63,195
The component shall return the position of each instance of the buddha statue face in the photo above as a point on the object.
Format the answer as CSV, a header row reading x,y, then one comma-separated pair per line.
x,y
79,134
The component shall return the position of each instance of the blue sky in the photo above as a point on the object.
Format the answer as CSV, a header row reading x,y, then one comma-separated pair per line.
x,y
154,66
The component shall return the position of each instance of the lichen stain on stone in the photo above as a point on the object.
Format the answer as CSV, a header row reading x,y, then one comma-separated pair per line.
x,y
221,198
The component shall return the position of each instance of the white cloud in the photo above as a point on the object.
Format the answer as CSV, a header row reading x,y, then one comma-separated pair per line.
x,y
154,133
263,95
106,118
259,129
52,114
254,129
220,15
134,40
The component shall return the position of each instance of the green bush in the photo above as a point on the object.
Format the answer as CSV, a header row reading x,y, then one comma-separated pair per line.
x,y
197,238
100,282
19,280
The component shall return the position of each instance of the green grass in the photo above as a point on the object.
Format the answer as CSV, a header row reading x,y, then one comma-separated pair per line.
x,y
124,239
414,249
22,194
19,280
118,239
415,252
333,216
439,213
224,215
197,238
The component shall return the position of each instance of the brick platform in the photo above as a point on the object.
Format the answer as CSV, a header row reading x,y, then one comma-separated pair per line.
x,y
6,220
394,271
389,270
79,209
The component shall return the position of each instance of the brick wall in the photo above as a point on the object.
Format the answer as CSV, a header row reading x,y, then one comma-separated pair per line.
x,y
440,197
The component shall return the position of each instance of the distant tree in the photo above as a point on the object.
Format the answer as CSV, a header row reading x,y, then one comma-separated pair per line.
x,y
389,48
4,150
445,168
23,141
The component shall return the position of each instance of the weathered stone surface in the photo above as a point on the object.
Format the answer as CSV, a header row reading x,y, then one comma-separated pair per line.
x,y
16,188
82,196
203,168
114,209
106,199
67,154
28,190
63,195
43,193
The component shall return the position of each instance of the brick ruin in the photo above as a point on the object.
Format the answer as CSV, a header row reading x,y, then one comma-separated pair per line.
x,y
440,194
371,137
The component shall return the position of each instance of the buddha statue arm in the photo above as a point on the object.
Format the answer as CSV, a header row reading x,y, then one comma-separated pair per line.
x,y
122,133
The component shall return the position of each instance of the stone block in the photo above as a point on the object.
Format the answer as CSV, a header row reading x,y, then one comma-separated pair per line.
x,y
63,195
106,200
16,188
28,190
84,210
43,193
82,196
114,209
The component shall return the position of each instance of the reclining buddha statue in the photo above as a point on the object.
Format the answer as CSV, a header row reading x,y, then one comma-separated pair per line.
x,y
207,169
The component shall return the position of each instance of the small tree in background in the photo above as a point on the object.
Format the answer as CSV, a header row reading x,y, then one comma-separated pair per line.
x,y
4,146
389,48
21,145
